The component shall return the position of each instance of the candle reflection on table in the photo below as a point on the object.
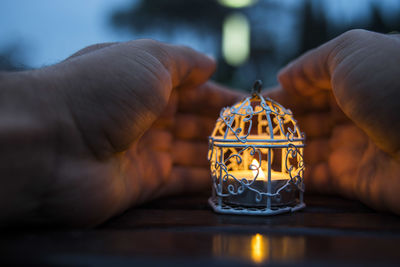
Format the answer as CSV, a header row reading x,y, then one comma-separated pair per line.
x,y
259,248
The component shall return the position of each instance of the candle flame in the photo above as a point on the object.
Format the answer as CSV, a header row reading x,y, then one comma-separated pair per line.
x,y
255,167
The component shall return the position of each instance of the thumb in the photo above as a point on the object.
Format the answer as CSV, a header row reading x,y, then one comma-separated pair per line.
x,y
89,49
360,67
310,73
185,66
314,71
115,93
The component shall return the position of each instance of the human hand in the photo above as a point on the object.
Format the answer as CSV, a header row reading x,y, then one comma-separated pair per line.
x,y
113,126
345,95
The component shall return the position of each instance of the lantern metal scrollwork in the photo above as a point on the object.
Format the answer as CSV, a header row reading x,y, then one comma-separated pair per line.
x,y
256,156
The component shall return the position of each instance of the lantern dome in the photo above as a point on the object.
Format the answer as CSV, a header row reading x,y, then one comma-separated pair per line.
x,y
256,156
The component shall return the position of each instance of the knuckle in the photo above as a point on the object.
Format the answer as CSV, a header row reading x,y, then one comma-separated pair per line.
x,y
156,49
354,34
150,42
186,49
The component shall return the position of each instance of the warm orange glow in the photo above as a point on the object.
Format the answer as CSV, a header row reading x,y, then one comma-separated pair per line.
x,y
255,167
257,248
256,159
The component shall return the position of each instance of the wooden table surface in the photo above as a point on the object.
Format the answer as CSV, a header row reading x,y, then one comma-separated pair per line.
x,y
183,231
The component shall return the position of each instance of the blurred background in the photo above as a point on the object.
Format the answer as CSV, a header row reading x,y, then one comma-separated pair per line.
x,y
251,39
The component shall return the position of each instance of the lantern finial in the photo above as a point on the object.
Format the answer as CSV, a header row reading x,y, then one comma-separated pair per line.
x,y
256,87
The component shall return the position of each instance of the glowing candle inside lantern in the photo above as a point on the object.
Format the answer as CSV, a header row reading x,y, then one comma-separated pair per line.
x,y
257,171
256,179
256,156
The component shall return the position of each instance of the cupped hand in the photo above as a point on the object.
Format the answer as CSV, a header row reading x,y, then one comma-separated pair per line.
x,y
121,123
345,95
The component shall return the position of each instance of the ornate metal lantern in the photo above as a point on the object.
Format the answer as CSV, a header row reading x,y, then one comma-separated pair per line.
x,y
256,156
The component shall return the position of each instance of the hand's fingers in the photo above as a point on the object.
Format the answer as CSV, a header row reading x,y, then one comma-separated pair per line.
x,y
320,101
348,145
348,135
338,116
279,95
308,74
366,85
166,120
117,92
315,124
361,78
190,153
156,167
343,163
91,48
286,99
314,71
316,150
317,178
208,99
311,72
192,127
378,179
186,66
187,180
156,139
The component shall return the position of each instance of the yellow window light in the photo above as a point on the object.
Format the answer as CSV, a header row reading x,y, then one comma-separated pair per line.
x,y
237,3
236,39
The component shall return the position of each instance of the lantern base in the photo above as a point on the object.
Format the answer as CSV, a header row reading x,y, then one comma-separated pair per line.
x,y
260,211
247,199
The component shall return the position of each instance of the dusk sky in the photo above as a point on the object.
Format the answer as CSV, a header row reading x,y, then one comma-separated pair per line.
x,y
51,30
